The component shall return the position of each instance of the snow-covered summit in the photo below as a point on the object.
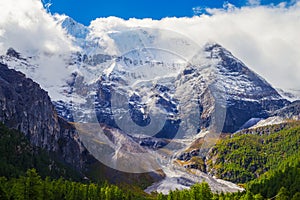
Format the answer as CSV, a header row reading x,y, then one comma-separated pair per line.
x,y
72,27
142,58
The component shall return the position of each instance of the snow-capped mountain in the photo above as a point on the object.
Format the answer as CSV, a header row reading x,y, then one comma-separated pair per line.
x,y
151,89
170,86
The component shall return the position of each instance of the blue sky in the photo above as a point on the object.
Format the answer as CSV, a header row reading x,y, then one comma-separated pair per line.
x,y
84,11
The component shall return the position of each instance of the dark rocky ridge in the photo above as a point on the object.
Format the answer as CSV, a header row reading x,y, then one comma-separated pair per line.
x,y
26,107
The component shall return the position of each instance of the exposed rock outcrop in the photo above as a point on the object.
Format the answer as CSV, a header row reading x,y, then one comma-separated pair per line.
x,y
26,107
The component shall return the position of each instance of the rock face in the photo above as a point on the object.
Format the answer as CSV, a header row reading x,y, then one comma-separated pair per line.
x,y
247,94
291,111
26,107
12,53
227,83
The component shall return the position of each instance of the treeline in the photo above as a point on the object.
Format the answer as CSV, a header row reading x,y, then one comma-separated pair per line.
x,y
33,187
203,192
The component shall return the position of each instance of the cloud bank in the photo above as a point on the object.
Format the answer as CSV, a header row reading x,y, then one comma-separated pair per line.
x,y
26,26
265,38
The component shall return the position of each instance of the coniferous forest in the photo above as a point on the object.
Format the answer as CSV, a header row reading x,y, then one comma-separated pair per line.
x,y
267,165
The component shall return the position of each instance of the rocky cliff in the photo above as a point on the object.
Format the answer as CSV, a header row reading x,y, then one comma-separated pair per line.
x,y
26,107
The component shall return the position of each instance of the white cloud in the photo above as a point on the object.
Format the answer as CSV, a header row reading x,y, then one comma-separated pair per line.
x,y
27,27
254,2
198,10
265,38
228,6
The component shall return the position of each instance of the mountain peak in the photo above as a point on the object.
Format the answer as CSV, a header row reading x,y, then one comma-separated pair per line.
x,y
72,27
13,53
210,46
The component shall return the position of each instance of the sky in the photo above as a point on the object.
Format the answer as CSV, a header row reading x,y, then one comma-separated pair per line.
x,y
262,34
88,10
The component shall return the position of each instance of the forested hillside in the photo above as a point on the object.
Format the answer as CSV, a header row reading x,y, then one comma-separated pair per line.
x,y
267,164
245,156
17,155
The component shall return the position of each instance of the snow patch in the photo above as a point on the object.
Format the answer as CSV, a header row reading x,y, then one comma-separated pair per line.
x,y
269,121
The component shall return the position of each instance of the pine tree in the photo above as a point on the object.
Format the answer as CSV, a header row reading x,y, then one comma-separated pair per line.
x,y
258,197
296,196
33,185
202,191
3,194
282,194
248,196
160,196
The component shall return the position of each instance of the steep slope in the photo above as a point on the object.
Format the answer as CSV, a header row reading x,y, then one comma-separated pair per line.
x,y
286,114
251,153
290,94
218,83
282,182
291,111
28,108
17,155
247,94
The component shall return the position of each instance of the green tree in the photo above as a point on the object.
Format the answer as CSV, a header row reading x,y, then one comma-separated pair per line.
x,y
296,196
248,196
202,191
258,197
3,194
33,186
282,194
